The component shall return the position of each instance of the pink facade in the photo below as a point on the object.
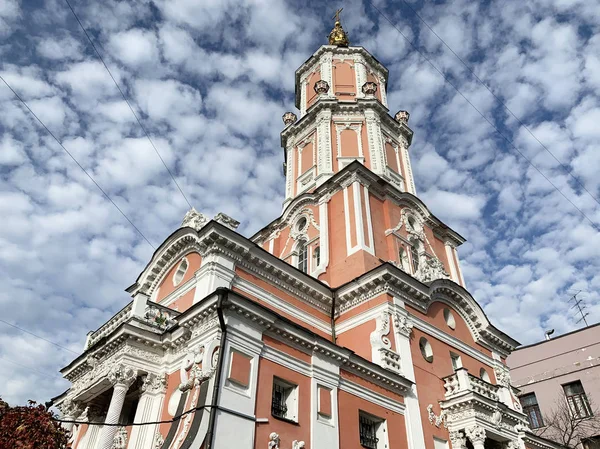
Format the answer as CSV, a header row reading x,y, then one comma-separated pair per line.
x,y
343,323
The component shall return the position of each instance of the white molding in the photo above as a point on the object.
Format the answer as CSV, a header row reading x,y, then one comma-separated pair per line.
x,y
361,318
287,361
450,258
323,238
371,396
343,125
460,275
349,248
269,298
410,181
451,341
369,220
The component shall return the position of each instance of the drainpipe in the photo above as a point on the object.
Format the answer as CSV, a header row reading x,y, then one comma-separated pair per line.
x,y
222,293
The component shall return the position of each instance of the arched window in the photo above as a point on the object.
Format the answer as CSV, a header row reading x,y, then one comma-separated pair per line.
x,y
180,272
317,256
426,350
302,257
414,255
484,375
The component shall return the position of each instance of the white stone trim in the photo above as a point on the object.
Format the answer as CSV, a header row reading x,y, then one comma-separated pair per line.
x,y
324,150
360,73
451,341
371,396
286,360
410,181
289,184
303,84
357,128
460,275
323,238
375,141
283,306
349,248
326,62
450,258
369,220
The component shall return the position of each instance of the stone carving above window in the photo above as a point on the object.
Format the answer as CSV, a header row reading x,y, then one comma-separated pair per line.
x,y
430,269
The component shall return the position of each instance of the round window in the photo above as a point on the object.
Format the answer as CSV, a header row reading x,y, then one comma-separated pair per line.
x,y
426,350
301,224
180,272
449,317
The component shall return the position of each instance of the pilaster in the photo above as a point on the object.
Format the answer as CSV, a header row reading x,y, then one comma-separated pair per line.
x,y
376,149
324,147
402,331
217,270
324,387
149,409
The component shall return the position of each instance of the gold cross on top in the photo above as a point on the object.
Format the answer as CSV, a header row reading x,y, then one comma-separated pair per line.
x,y
337,14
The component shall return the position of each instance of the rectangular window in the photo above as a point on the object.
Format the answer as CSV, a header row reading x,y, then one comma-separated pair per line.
x,y
372,431
577,400
532,410
456,361
284,400
591,443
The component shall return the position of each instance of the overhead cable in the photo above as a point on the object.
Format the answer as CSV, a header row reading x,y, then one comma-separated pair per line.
x,y
510,142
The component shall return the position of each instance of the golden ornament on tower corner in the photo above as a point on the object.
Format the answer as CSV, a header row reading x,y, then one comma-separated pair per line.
x,y
338,36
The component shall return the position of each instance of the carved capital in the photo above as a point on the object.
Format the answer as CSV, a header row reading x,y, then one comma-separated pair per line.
x,y
155,383
403,324
458,440
476,434
122,375
502,376
70,409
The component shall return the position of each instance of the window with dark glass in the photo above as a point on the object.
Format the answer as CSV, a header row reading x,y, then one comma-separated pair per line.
x,y
302,257
414,255
591,443
284,400
577,400
532,410
368,432
317,255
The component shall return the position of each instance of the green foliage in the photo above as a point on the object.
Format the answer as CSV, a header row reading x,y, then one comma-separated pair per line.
x,y
30,427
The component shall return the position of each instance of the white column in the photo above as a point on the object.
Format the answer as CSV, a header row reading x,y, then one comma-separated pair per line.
x,y
476,435
148,409
412,415
121,377
450,257
324,149
375,142
323,236
138,308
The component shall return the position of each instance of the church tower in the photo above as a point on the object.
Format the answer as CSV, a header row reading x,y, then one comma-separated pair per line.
x,y
350,197
342,324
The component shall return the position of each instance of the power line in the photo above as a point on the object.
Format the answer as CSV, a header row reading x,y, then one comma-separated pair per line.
x,y
167,421
565,168
76,161
510,142
127,101
37,336
31,369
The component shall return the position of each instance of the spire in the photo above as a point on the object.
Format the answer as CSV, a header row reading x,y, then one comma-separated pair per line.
x,y
338,36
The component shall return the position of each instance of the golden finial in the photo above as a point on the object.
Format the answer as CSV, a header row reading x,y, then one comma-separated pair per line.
x,y
338,36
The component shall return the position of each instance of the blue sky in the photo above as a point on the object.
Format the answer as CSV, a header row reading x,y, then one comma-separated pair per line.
x,y
211,80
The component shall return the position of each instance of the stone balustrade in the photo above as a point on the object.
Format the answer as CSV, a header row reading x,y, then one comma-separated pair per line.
x,y
462,381
123,315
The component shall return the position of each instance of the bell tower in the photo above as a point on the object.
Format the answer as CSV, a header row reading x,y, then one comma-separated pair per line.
x,y
350,199
341,92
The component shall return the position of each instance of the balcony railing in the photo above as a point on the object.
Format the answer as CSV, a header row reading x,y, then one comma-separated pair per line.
x,y
462,381
155,315
104,330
